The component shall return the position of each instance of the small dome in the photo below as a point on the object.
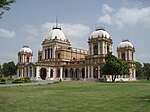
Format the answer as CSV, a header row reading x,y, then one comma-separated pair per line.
x,y
25,49
125,43
56,33
99,33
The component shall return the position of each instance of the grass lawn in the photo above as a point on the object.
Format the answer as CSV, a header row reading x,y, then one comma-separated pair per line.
x,y
74,96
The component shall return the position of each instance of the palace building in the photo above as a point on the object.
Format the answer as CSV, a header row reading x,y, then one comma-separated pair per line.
x,y
59,60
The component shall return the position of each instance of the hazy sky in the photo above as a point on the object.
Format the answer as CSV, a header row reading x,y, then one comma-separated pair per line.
x,y
29,22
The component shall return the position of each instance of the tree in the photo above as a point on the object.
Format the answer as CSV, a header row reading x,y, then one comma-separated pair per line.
x,y
5,5
114,67
0,71
9,69
139,70
146,70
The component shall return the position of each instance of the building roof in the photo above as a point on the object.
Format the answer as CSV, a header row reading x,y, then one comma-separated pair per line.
x,y
56,32
25,49
99,32
125,43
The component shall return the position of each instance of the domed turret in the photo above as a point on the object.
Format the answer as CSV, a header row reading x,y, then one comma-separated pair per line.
x,y
56,33
25,49
25,55
99,32
125,43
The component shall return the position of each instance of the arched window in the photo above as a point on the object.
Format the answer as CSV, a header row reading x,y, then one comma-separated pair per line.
x,y
20,58
132,56
48,53
58,55
95,49
123,56
107,49
45,53
27,59
51,50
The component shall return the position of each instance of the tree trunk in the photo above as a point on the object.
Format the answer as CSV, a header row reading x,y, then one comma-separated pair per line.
x,y
113,78
148,78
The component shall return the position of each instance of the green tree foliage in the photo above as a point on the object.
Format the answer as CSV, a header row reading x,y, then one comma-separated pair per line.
x,y
139,70
146,70
0,71
114,67
5,5
9,69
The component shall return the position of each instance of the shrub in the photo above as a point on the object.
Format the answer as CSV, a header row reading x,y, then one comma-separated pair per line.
x,y
2,80
22,80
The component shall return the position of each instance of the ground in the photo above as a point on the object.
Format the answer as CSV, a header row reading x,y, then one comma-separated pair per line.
x,y
75,96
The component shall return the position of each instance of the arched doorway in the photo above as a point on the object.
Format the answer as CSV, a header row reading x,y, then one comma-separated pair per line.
x,y
77,73
51,76
43,73
83,73
71,73
95,71
66,73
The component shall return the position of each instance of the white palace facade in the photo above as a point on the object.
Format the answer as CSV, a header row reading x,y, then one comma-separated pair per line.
x,y
58,60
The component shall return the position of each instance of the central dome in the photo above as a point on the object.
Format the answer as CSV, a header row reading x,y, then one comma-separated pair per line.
x,y
99,32
56,33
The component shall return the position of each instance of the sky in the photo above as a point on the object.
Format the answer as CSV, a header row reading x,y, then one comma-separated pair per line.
x,y
29,22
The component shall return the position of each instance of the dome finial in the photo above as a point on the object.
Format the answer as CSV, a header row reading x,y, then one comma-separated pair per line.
x,y
56,24
56,21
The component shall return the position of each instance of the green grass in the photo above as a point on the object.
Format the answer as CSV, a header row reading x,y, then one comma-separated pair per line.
x,y
77,96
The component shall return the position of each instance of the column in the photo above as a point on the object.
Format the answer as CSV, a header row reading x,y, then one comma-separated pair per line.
x,y
88,71
54,75
48,76
98,47
61,72
91,49
22,72
125,55
32,72
103,47
85,71
49,53
37,73
91,71
99,71
89,53
54,49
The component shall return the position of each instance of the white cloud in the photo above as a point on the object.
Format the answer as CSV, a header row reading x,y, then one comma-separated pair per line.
x,y
74,32
6,34
31,30
32,33
143,57
106,19
107,9
126,16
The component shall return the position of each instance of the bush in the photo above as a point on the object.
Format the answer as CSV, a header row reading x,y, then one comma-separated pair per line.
x,y
2,80
22,80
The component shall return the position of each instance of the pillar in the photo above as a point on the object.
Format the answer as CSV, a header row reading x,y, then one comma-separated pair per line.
x,y
98,47
99,74
85,71
61,72
88,71
91,71
49,71
54,75
37,73
92,49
